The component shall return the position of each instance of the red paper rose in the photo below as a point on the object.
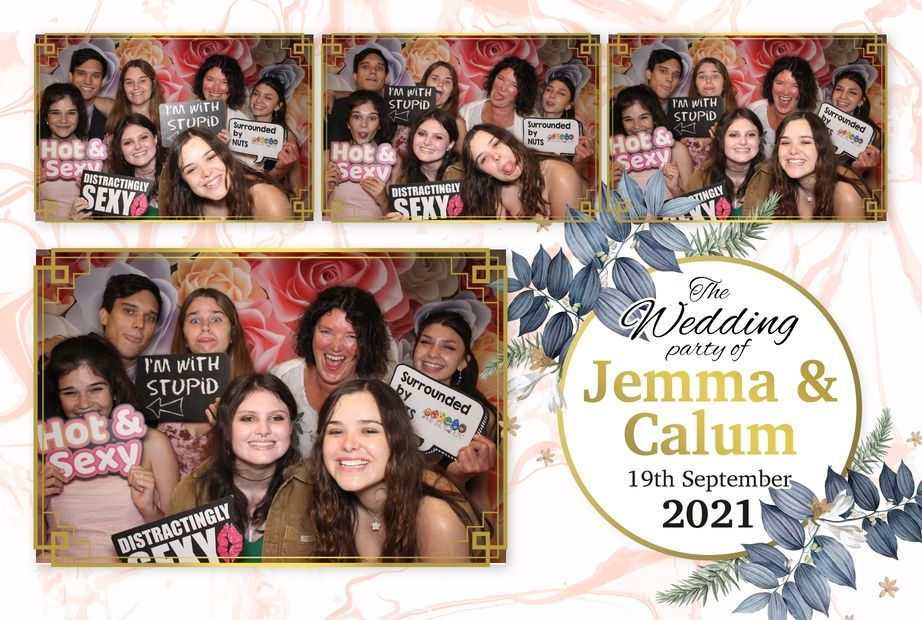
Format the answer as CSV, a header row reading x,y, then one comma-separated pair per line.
x,y
761,53
189,54
293,284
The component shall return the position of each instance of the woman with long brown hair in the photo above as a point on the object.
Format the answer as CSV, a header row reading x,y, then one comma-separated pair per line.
x,y
207,323
203,179
504,179
807,175
256,460
372,497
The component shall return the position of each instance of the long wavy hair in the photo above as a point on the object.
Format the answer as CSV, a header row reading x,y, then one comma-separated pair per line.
x,y
453,102
98,355
412,171
116,160
217,477
729,98
826,171
238,355
803,75
465,380
53,94
333,510
480,192
178,200
122,106
715,169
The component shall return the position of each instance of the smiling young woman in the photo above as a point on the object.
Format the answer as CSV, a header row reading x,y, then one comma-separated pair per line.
x,y
256,460
373,499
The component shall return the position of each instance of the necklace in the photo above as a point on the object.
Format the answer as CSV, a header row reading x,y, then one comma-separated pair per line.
x,y
375,523
239,475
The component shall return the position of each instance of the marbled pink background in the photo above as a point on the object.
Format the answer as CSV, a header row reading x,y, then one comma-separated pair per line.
x,y
564,560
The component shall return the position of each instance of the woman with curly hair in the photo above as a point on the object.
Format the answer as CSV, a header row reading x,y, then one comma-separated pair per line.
x,y
807,175
340,337
256,460
203,179
504,179
789,86
512,92
373,499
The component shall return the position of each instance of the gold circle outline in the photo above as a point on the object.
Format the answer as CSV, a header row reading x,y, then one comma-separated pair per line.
x,y
591,316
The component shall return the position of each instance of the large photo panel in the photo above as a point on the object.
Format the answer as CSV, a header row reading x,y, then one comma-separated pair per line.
x,y
213,406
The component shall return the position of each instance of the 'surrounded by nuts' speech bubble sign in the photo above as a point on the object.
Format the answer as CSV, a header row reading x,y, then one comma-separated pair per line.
x,y
733,379
444,418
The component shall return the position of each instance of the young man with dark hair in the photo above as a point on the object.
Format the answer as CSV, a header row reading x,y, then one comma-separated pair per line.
x,y
369,71
664,73
129,315
88,72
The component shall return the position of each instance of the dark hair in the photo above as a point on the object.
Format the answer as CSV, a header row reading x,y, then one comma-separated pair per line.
x,y
358,58
217,476
566,81
640,94
126,285
412,168
178,199
238,356
84,54
359,97
863,111
659,56
715,169
826,170
122,106
480,192
236,88
278,116
466,380
333,510
53,94
803,75
116,161
454,99
99,355
729,98
363,313
525,78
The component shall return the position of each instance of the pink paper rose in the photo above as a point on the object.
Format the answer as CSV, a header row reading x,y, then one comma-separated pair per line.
x,y
293,285
474,58
268,339
761,53
189,54
231,276
422,52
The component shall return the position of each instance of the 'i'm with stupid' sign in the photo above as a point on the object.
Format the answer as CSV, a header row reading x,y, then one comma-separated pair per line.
x,y
180,387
